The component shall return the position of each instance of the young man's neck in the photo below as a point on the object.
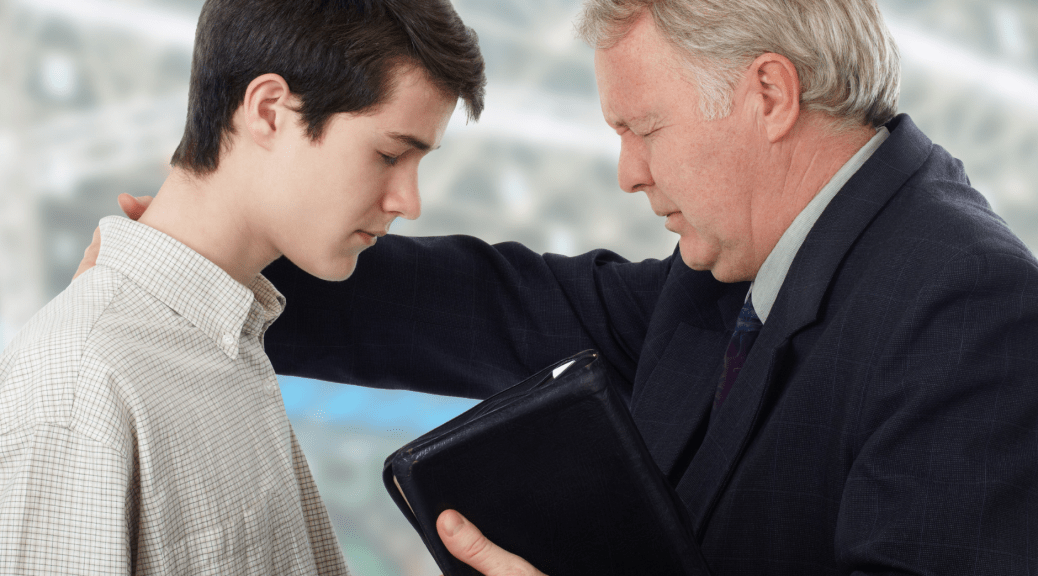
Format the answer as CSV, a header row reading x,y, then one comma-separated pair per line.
x,y
210,215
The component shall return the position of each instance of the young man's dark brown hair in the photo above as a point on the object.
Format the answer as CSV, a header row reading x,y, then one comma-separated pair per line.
x,y
336,55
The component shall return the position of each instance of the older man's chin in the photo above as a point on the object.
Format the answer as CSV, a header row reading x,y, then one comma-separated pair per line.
x,y
724,267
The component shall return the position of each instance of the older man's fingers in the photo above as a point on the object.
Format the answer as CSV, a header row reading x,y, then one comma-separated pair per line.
x,y
134,207
90,254
468,544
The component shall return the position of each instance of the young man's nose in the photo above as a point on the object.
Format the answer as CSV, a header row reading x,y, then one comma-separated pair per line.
x,y
403,198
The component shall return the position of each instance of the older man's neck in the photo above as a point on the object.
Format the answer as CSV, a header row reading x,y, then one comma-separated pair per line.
x,y
801,165
817,151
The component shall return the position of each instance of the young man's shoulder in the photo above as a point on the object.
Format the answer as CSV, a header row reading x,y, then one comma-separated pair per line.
x,y
79,342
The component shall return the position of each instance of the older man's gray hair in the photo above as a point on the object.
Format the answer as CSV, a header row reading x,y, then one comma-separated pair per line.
x,y
848,63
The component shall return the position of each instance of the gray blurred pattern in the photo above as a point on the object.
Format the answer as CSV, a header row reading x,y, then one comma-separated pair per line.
x,y
93,99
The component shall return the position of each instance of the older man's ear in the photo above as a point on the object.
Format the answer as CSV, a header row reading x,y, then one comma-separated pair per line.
x,y
134,208
775,84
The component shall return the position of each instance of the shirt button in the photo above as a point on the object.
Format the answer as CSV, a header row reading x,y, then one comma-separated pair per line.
x,y
228,340
271,388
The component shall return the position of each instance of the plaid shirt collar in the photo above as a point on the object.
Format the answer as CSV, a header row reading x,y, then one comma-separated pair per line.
x,y
192,286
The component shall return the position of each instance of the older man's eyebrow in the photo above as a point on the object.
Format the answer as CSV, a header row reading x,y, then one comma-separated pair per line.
x,y
636,122
411,141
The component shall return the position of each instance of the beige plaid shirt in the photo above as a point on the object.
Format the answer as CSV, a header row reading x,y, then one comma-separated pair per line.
x,y
142,429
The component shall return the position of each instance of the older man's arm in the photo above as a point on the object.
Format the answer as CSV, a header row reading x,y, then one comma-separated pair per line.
x,y
437,305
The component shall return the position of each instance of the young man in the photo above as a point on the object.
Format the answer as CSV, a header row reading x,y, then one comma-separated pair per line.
x,y
141,428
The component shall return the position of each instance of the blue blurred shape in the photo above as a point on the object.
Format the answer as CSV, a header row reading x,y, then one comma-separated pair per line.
x,y
296,393
370,408
345,403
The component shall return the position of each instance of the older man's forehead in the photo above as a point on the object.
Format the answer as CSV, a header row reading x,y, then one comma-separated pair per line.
x,y
629,73
625,103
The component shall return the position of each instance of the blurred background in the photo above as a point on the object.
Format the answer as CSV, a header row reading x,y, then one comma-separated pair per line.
x,y
93,95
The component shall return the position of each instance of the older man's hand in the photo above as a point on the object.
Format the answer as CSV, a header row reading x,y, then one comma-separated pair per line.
x,y
133,207
469,545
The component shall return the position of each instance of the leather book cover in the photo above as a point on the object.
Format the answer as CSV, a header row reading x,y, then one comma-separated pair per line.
x,y
554,470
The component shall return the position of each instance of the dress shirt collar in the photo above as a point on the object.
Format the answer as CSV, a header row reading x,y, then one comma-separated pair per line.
x,y
772,273
192,286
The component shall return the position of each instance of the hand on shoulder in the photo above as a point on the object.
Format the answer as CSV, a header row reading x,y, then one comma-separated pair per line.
x,y
134,208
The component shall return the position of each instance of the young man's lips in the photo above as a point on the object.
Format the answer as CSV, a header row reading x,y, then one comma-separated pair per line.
x,y
369,237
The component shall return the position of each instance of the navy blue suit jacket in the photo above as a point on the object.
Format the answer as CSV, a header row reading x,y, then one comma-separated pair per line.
x,y
885,422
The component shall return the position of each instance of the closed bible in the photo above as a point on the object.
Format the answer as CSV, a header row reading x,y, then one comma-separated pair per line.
x,y
553,470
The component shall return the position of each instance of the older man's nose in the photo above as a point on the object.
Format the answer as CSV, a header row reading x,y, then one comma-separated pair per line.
x,y
633,167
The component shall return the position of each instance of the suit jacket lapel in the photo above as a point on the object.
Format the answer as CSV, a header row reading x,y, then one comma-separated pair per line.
x,y
797,306
843,221
686,342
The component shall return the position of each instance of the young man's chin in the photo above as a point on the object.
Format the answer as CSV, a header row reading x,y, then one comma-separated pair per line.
x,y
331,270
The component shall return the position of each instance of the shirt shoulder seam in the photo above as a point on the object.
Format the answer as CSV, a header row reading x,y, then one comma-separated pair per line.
x,y
79,364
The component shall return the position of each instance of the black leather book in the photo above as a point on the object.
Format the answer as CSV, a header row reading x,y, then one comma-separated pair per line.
x,y
554,470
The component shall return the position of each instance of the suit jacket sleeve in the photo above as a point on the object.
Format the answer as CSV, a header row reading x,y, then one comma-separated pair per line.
x,y
454,315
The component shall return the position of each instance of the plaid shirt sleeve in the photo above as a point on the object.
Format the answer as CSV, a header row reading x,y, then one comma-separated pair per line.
x,y
64,494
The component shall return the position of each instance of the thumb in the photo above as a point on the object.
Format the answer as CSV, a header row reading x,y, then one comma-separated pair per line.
x,y
134,207
469,545
90,254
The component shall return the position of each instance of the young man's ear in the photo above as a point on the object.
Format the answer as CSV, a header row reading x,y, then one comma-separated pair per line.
x,y
774,81
268,107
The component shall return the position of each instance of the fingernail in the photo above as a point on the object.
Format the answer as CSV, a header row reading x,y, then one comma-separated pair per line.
x,y
452,523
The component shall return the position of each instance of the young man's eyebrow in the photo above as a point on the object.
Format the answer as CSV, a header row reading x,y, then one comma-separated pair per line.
x,y
410,141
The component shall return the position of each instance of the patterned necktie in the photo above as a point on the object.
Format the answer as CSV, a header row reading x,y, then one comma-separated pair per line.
x,y
747,327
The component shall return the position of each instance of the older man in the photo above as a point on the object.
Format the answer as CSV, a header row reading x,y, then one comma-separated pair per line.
x,y
835,369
